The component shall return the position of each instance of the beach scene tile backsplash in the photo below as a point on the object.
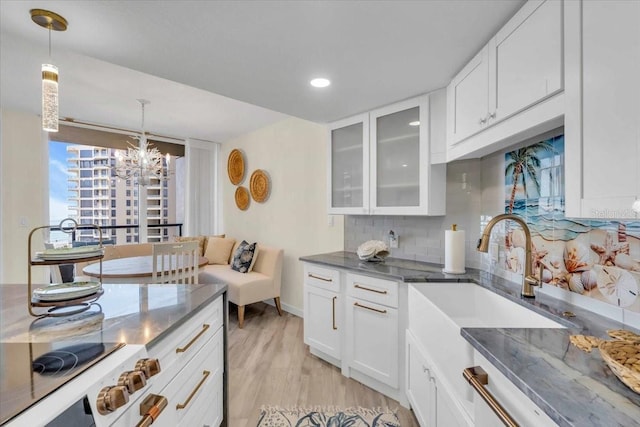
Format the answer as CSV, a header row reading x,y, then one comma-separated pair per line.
x,y
596,258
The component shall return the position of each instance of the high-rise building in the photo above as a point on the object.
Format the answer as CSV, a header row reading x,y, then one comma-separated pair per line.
x,y
99,197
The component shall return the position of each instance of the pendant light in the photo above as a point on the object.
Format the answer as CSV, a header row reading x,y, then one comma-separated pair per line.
x,y
50,21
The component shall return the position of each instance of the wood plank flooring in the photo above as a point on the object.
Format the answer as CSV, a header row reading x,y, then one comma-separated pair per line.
x,y
269,364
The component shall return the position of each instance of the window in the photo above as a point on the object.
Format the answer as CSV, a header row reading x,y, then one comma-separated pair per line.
x,y
97,196
128,239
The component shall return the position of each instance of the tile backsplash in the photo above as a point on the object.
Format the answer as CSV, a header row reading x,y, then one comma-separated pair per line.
x,y
421,238
590,260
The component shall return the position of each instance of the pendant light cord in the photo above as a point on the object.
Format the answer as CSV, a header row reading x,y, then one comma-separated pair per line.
x,y
49,43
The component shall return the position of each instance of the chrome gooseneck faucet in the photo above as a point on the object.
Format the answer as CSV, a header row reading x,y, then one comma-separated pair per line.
x,y
528,280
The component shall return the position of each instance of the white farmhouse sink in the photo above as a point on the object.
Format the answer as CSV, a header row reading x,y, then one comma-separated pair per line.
x,y
471,306
437,312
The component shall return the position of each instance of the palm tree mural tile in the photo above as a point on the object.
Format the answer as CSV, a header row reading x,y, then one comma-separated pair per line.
x,y
595,258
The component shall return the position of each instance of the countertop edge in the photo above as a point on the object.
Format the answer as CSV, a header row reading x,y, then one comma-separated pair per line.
x,y
222,288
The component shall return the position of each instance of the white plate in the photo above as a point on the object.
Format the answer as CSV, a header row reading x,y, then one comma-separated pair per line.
x,y
70,253
66,291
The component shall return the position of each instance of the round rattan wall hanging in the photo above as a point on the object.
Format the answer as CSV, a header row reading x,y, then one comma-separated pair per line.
x,y
242,198
259,186
235,166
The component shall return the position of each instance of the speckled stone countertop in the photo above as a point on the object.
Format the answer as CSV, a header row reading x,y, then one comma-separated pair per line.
x,y
573,387
131,313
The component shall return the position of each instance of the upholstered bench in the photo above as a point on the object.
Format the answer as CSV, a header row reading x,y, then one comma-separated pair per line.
x,y
261,283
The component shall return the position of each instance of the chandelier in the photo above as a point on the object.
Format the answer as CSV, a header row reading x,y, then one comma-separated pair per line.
x,y
141,163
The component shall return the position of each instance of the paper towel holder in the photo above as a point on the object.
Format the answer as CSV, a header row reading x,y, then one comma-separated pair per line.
x,y
452,238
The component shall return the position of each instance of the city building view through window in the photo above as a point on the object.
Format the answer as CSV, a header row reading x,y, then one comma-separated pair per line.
x,y
83,186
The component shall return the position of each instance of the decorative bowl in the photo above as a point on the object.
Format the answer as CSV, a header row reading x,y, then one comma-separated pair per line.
x,y
623,357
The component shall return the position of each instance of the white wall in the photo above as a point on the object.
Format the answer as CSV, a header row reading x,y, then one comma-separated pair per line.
x,y
294,154
24,192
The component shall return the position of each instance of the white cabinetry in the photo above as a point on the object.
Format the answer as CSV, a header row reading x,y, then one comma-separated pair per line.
x,y
323,312
380,163
368,345
372,327
517,404
503,94
468,103
192,362
349,166
427,392
602,125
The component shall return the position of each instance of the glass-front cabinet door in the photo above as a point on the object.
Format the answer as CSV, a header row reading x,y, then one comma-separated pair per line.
x,y
349,166
400,166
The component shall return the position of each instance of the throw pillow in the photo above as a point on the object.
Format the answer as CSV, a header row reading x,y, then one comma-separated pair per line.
x,y
219,249
202,241
243,257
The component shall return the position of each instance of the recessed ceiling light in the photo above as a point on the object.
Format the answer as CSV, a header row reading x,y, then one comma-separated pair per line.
x,y
416,123
320,82
404,165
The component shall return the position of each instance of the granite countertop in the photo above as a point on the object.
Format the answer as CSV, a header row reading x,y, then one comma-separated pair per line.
x,y
573,387
130,313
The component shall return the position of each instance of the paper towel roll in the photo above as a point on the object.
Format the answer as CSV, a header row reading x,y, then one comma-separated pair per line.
x,y
454,249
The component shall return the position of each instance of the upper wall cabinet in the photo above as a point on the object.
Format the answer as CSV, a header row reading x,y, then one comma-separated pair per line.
x,y
386,168
501,93
349,166
602,123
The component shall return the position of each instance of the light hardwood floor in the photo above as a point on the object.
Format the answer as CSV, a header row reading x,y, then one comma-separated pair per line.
x,y
269,364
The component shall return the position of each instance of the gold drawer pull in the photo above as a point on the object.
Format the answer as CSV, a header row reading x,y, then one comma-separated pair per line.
x,y
364,288
313,276
370,308
194,339
151,409
194,391
478,378
333,304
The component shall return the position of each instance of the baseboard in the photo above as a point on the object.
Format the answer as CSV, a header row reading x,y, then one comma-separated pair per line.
x,y
288,308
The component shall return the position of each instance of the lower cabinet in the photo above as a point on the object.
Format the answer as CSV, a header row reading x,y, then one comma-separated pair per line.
x,y
372,339
357,323
323,303
514,401
192,360
427,392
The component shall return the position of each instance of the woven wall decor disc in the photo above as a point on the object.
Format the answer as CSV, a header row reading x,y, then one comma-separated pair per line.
x,y
235,166
242,198
259,185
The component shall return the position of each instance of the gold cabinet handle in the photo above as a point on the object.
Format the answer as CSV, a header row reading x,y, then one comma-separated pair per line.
x,y
364,288
333,304
151,408
194,391
370,308
478,378
313,276
194,339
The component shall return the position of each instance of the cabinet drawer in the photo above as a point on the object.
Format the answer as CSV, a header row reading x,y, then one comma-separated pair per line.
x,y
372,289
183,343
322,277
196,382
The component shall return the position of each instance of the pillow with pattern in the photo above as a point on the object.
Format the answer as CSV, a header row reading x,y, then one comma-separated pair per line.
x,y
243,256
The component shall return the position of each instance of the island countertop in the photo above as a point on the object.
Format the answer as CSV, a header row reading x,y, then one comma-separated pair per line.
x,y
130,313
573,387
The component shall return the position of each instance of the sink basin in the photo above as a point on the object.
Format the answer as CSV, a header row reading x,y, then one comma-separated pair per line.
x,y
471,306
437,312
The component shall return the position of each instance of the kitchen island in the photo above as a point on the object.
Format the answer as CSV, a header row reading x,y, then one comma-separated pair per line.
x,y
572,387
155,318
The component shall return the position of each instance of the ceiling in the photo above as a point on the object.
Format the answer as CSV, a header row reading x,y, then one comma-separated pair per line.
x,y
214,70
